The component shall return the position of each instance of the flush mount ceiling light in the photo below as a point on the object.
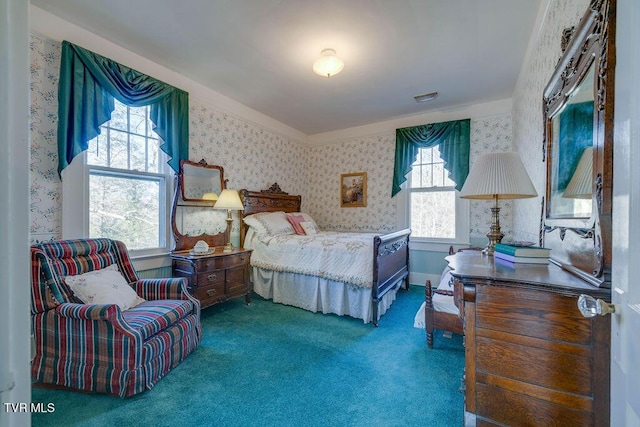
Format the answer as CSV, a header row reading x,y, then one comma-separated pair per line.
x,y
426,97
328,64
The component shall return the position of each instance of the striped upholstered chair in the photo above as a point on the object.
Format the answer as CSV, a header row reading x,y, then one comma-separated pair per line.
x,y
101,348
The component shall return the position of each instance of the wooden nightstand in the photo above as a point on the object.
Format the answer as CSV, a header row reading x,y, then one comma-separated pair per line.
x,y
215,277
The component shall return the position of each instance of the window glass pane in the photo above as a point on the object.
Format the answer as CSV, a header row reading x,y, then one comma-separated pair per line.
x,y
415,174
154,156
433,214
138,153
138,120
97,152
427,176
119,117
127,209
438,174
119,149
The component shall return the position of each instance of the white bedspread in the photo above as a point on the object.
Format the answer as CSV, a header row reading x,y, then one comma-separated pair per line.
x,y
344,257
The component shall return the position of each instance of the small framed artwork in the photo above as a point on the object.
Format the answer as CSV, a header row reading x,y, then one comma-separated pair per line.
x,y
353,190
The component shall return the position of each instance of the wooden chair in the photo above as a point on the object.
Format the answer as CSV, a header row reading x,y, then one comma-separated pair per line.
x,y
434,316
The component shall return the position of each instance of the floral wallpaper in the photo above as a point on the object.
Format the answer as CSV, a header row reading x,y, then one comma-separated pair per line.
x,y
490,135
253,157
46,187
375,156
527,109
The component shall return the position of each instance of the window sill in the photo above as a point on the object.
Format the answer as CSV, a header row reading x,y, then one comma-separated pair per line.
x,y
435,246
149,262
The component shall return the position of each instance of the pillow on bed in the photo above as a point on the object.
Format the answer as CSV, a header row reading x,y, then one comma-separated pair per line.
x,y
269,224
295,221
309,227
307,218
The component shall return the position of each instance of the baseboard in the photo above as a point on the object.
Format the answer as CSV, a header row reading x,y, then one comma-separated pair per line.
x,y
420,279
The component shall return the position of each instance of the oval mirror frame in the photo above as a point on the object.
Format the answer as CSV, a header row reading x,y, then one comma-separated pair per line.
x,y
201,178
576,216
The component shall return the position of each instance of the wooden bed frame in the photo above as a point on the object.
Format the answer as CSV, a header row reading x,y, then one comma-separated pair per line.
x,y
390,251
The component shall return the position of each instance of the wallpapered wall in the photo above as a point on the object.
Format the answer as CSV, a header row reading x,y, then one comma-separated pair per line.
x,y
527,108
254,158
374,155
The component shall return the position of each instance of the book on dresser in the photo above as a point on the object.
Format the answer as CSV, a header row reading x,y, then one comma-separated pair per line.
x,y
522,251
520,259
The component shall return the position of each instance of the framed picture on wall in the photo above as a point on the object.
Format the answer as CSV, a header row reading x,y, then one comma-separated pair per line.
x,y
353,190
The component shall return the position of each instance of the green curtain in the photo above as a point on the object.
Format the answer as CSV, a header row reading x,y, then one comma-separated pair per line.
x,y
452,137
87,88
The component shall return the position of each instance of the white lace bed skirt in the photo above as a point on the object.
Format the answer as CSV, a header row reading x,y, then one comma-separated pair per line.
x,y
317,294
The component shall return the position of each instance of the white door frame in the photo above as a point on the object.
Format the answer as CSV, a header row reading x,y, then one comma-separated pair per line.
x,y
15,319
625,341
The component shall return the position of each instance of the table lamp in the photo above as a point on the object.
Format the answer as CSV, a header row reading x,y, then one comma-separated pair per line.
x,y
229,200
497,176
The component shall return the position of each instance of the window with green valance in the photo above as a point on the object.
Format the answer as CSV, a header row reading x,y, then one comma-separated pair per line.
x,y
453,139
88,85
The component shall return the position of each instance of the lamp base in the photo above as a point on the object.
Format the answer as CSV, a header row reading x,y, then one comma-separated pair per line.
x,y
494,235
228,247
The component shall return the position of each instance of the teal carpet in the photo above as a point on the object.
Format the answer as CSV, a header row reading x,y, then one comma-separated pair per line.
x,y
272,365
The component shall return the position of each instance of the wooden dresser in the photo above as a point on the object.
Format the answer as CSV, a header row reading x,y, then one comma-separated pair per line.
x,y
531,359
215,277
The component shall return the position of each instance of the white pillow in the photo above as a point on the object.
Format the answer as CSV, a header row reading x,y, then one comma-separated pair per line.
x,y
309,227
106,286
269,224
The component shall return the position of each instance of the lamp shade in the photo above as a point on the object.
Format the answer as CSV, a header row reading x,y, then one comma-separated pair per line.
x,y
229,199
498,175
581,184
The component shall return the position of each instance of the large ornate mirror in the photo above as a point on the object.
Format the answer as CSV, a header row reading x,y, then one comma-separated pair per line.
x,y
578,148
193,218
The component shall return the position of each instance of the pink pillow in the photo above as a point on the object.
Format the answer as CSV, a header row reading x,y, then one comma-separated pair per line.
x,y
295,221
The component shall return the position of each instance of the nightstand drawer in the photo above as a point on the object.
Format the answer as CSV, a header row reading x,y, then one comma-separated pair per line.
x,y
208,278
210,294
234,260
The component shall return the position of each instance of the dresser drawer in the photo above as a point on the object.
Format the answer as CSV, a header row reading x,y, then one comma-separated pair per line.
x,y
210,294
208,278
532,313
220,263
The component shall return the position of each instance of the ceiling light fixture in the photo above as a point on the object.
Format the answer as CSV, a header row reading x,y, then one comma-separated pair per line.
x,y
426,97
328,64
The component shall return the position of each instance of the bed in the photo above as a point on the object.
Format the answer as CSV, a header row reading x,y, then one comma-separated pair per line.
x,y
297,270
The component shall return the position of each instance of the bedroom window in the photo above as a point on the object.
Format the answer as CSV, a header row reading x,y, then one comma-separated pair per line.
x,y
126,181
126,184
434,208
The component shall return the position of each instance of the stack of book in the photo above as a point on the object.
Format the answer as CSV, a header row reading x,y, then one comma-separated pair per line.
x,y
520,254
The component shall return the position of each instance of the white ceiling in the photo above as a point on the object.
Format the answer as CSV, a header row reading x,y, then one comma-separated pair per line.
x,y
260,52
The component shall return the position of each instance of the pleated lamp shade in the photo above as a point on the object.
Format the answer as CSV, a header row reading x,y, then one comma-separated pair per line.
x,y
581,184
498,175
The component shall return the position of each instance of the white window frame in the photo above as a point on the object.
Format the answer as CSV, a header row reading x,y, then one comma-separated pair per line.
x,y
433,244
75,211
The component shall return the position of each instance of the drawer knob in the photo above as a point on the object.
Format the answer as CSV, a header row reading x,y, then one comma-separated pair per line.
x,y
590,307
212,277
211,292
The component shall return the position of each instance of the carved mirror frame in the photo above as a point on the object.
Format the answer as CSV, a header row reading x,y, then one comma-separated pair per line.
x,y
583,245
185,241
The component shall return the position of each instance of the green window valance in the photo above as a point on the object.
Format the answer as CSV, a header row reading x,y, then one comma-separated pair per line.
x,y
452,137
88,85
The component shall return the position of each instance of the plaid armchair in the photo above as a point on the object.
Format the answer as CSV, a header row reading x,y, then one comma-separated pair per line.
x,y
101,348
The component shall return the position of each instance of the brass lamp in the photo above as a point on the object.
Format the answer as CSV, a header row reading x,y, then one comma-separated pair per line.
x,y
229,200
497,176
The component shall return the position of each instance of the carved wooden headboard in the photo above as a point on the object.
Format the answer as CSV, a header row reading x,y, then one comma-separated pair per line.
x,y
270,200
